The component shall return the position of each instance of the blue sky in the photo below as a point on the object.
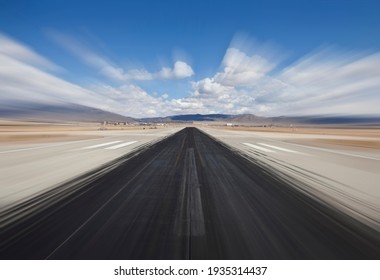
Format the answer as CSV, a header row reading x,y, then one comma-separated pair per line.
x,y
157,58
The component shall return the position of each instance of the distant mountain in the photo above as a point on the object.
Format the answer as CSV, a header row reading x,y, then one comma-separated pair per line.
x,y
237,119
327,120
188,118
200,118
58,113
342,120
250,119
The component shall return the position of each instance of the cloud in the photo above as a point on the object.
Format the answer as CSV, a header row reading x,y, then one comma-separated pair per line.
x,y
209,86
326,81
181,70
131,99
119,74
109,69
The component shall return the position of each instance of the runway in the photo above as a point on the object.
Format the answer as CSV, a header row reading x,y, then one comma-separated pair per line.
x,y
189,196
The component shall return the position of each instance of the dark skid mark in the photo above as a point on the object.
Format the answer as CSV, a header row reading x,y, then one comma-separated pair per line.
x,y
188,196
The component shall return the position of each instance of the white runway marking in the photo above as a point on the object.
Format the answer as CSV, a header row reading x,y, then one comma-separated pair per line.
x,y
279,148
44,147
120,145
259,148
101,145
335,152
26,149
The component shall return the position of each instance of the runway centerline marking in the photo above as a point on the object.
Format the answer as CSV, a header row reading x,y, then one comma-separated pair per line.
x,y
120,145
190,219
259,148
279,148
197,226
101,145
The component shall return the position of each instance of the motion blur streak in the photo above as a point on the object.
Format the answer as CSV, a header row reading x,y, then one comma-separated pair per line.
x,y
185,197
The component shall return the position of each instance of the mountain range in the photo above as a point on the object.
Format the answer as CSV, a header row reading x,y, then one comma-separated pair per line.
x,y
80,113
257,120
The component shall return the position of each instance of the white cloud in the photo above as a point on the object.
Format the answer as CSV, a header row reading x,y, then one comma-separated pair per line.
x,y
180,70
209,86
119,74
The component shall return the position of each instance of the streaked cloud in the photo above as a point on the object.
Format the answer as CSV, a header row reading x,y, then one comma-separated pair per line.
x,y
24,78
239,69
20,81
11,48
109,69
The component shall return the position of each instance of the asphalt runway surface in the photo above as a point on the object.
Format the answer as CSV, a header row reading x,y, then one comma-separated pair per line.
x,y
188,196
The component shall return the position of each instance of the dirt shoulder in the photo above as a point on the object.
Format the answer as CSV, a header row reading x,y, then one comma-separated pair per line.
x,y
344,131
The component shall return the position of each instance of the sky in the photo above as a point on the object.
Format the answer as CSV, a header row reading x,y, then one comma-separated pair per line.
x,y
145,58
